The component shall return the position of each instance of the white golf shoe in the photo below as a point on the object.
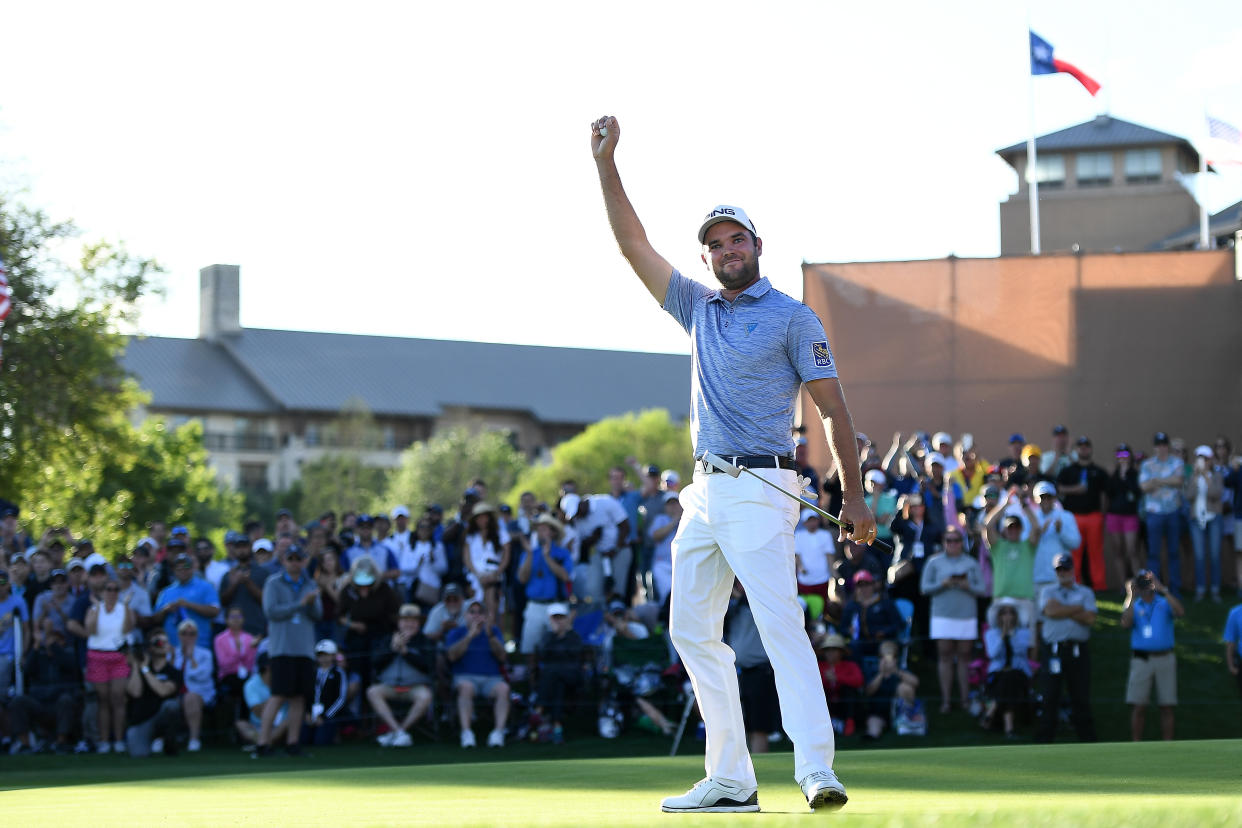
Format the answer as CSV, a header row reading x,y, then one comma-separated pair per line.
x,y
824,791
385,739
496,738
401,739
467,739
711,796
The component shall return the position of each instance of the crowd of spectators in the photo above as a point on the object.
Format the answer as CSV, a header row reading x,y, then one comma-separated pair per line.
x,y
510,618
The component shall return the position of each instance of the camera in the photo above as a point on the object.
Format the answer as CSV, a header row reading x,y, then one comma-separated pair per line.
x,y
1144,582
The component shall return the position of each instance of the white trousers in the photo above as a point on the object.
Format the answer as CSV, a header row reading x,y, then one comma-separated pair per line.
x,y
742,526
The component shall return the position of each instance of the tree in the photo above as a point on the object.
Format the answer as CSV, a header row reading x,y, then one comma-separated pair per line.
x,y
340,482
68,452
650,437
438,470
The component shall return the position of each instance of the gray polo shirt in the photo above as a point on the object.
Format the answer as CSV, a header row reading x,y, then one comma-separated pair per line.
x,y
748,360
1066,629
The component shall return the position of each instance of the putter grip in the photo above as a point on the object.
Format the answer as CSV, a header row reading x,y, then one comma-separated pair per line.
x,y
883,544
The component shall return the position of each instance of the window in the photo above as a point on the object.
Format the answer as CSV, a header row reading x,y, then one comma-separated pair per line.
x,y
1050,170
312,434
1143,166
1094,169
253,477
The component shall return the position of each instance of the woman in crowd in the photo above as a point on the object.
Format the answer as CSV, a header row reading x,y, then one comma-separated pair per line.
x,y
367,614
1121,524
195,663
914,541
108,623
485,556
427,564
329,578
953,581
1008,644
1204,494
235,651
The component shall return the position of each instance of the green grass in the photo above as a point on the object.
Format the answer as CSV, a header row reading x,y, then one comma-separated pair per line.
x,y
1177,783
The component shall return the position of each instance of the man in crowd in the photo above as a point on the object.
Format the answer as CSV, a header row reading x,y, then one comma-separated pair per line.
x,y
1059,457
1162,479
292,605
53,694
602,526
1058,535
446,615
12,610
404,667
477,652
1149,613
189,596
242,586
1083,486
1068,610
154,712
545,572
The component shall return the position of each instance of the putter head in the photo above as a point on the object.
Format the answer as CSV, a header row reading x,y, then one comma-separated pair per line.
x,y
721,464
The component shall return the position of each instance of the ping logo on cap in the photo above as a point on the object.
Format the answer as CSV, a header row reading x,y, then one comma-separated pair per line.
x,y
823,356
720,211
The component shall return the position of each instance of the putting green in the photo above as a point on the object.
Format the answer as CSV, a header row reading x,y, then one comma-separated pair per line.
x,y
1153,783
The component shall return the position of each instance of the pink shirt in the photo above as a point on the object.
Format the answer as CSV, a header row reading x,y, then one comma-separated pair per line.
x,y
232,653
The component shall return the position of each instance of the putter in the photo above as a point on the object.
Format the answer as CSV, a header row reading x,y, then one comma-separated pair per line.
x,y
733,471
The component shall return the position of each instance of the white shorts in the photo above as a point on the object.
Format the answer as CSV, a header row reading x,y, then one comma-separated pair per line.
x,y
954,629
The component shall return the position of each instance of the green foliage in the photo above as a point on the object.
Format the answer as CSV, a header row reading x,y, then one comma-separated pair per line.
x,y
68,452
438,470
649,437
339,483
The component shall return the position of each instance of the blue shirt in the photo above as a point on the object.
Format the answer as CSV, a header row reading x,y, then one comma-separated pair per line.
x,y
1165,500
478,659
1233,626
542,585
16,606
630,501
748,360
197,590
380,552
1153,625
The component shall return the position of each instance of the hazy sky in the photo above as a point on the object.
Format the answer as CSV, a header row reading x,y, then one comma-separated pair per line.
x,y
423,169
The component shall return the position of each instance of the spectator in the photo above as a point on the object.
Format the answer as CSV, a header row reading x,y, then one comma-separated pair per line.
x,y
131,594
40,579
365,545
650,509
53,606
869,618
560,669
330,579
1056,534
1059,457
331,694
1008,646
1161,479
154,711
235,651
629,500
662,531
1084,489
953,581
53,694
292,606
486,557
813,553
843,679
1121,524
545,572
1013,559
242,586
404,670
189,596
1149,613
195,663
1204,493
477,651
108,624
258,693
264,553
12,609
971,473
601,525
935,488
1233,637
913,543
19,576
1068,610
761,712
427,564
884,688
857,558
368,614
1228,465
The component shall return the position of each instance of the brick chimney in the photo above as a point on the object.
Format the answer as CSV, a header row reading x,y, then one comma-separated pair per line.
x,y
219,302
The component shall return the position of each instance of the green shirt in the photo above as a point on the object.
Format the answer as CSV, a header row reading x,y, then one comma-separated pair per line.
x,y
1013,569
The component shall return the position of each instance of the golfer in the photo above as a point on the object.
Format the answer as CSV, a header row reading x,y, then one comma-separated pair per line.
x,y
753,349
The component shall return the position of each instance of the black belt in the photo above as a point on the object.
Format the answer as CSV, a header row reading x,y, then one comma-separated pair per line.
x,y
1146,654
750,461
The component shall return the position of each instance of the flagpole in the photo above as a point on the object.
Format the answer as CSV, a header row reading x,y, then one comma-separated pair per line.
x,y
1032,180
1205,242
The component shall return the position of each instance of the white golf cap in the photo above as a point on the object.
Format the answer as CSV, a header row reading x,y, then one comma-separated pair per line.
x,y
558,609
877,477
1204,451
400,511
94,559
807,514
265,545
967,442
670,477
934,457
569,505
1042,488
326,646
941,437
723,212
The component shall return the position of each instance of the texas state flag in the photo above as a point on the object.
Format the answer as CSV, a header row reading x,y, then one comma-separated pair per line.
x,y
1043,63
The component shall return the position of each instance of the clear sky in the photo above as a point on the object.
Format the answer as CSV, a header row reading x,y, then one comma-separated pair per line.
x,y
422,169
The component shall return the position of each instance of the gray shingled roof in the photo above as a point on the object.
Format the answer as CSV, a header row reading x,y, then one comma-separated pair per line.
x,y
268,371
1102,131
1228,220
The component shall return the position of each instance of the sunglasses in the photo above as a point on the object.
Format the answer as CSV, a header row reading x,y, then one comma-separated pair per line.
x,y
952,539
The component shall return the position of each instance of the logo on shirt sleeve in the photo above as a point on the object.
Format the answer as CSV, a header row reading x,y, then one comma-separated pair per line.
x,y
823,357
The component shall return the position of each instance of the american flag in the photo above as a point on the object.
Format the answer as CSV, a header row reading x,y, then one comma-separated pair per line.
x,y
1224,144
6,292
1225,132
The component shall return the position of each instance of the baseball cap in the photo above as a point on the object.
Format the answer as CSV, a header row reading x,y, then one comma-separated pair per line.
x,y
807,514
877,477
262,545
363,576
84,543
1083,440
295,551
182,560
1059,429
653,471
283,513
452,589
670,477
558,609
233,536
1042,488
941,437
1012,520
380,516
326,646
76,563
177,541
179,530
1144,577
1123,450
1017,437
724,212
933,458
1160,439
400,511
437,508
832,641
410,611
672,496
1031,450
569,505
59,573
364,519
617,606
862,576
1063,561
1204,451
